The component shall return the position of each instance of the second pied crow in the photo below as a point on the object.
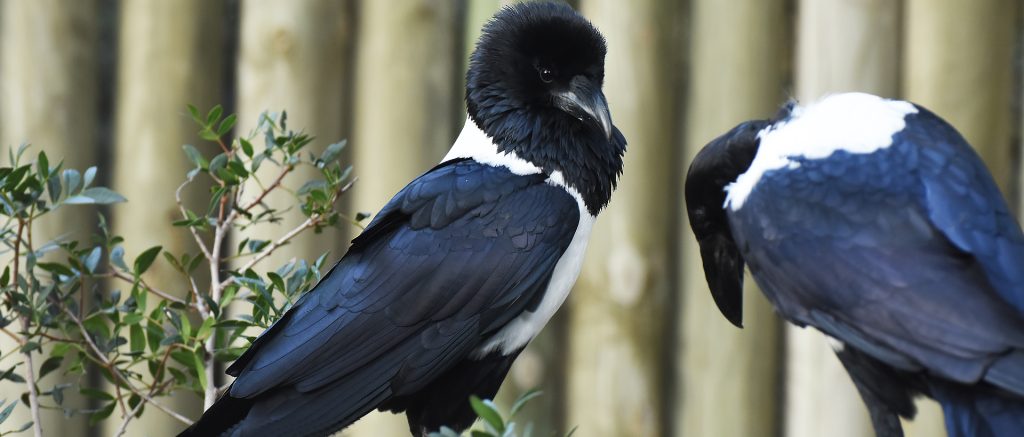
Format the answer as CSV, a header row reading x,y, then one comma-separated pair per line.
x,y
464,266
875,222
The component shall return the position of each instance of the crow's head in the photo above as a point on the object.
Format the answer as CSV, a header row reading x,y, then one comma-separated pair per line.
x,y
534,86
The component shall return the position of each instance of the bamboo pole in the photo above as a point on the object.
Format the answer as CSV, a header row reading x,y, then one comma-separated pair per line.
x,y
619,312
49,98
169,56
842,46
729,378
406,97
958,62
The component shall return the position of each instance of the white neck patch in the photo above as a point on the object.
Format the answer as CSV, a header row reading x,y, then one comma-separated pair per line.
x,y
853,122
475,144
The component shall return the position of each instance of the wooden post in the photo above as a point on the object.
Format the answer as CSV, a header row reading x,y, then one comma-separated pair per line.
x,y
958,62
48,97
842,46
293,57
619,312
407,53
728,379
169,56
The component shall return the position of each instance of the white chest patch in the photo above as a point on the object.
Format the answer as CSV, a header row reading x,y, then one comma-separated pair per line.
x,y
852,122
474,143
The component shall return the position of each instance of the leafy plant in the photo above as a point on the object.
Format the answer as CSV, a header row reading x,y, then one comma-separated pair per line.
x,y
87,306
494,423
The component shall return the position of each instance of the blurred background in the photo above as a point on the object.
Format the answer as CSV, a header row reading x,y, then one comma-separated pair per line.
x,y
639,349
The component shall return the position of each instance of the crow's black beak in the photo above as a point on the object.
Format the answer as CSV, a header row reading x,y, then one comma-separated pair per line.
x,y
585,101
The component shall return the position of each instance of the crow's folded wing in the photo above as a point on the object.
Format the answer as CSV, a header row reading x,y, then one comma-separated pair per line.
x,y
454,256
909,254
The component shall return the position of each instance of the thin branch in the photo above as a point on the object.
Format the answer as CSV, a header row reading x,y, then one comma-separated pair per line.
x,y
184,215
273,186
33,394
130,279
115,373
19,340
308,223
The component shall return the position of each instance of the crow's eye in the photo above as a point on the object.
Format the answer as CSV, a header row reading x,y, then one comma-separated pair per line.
x,y
546,74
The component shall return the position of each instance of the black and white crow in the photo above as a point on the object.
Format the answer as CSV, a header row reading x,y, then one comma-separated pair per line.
x,y
465,265
875,222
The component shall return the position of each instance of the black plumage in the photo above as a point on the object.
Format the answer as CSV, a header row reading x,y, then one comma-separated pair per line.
x,y
905,252
438,295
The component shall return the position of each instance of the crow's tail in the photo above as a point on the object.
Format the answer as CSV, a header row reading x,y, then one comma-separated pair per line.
x,y
971,412
221,418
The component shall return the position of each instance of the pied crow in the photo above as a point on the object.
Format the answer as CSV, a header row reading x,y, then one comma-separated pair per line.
x,y
464,266
875,222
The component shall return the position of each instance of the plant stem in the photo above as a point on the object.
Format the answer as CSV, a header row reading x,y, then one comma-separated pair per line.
x,y
30,381
116,374
33,395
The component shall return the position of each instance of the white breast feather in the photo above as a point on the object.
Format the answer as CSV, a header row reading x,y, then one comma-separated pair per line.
x,y
474,143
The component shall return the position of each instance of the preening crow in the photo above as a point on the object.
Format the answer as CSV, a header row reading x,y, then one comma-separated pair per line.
x,y
875,222
464,266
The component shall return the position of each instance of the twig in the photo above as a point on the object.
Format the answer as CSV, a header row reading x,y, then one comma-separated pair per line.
x,y
308,223
19,340
184,215
117,374
33,395
147,287
267,190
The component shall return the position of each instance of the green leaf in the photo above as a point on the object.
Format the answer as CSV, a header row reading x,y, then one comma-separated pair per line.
x,y
96,394
7,411
214,115
5,278
521,402
117,258
195,114
97,195
145,260
25,426
11,376
486,410
90,175
246,147
205,329
101,414
71,180
333,151
131,318
218,162
56,268
197,362
277,281
93,259
53,187
154,336
137,338
226,125
60,349
29,347
193,155
43,165
51,364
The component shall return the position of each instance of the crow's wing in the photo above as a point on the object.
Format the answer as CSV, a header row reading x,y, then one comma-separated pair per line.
x,y
454,256
908,254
